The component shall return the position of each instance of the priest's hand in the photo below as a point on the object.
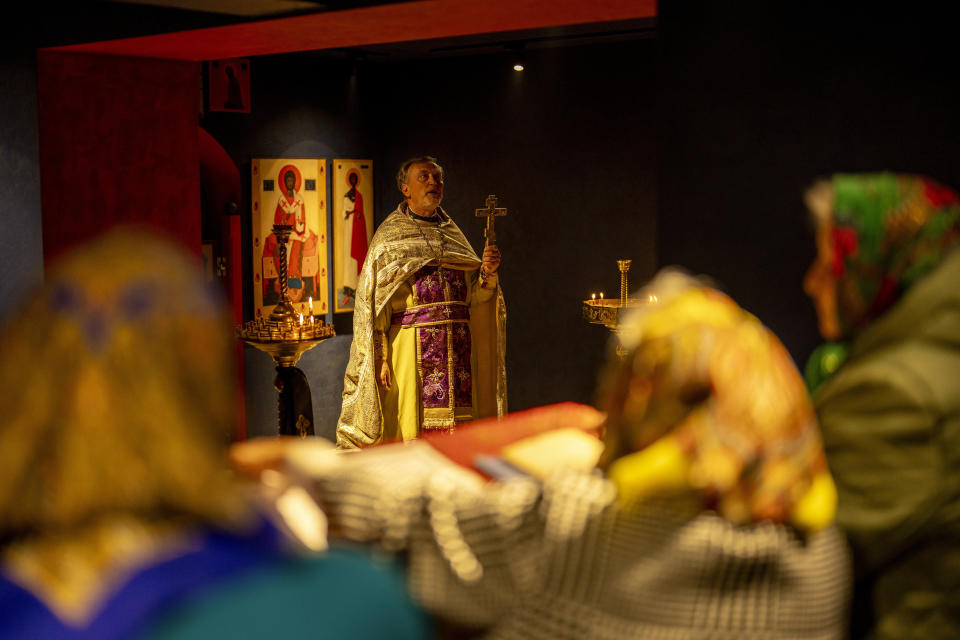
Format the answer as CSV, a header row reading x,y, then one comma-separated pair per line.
x,y
383,376
491,259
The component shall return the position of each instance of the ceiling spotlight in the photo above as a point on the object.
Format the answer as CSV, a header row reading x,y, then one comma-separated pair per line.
x,y
516,49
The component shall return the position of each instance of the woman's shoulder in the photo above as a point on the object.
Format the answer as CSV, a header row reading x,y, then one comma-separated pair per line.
x,y
303,594
910,373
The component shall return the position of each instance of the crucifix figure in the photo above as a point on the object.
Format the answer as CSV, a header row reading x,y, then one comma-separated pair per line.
x,y
489,213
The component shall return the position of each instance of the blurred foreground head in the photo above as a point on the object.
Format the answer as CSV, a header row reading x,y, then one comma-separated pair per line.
x,y
707,401
118,394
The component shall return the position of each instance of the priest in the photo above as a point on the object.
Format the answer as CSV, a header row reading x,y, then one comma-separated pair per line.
x,y
428,325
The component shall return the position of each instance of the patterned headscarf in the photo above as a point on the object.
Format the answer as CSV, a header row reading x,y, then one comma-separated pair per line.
x,y
889,230
711,398
119,393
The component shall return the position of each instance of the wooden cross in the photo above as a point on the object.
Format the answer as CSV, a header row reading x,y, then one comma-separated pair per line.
x,y
489,213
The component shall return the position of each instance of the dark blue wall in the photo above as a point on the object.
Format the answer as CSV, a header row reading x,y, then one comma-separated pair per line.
x,y
758,101
21,255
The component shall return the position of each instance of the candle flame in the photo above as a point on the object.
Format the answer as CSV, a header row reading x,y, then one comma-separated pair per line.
x,y
301,318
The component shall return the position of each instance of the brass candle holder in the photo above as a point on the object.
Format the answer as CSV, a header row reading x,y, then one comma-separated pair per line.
x,y
606,311
285,336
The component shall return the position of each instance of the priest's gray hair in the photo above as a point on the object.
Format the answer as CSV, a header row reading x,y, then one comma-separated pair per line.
x,y
405,167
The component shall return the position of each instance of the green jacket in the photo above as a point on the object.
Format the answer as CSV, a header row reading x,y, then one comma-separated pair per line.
x,y
890,418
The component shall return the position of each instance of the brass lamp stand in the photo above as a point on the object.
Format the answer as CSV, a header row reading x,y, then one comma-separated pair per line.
x,y
606,311
286,339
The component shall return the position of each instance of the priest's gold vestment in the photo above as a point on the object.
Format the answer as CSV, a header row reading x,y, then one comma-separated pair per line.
x,y
403,292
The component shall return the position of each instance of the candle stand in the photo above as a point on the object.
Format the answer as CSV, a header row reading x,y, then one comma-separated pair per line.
x,y
606,311
286,339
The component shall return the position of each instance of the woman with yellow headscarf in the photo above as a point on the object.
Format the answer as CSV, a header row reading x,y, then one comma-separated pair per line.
x,y
711,515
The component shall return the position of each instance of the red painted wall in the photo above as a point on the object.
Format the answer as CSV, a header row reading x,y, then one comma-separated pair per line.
x,y
118,143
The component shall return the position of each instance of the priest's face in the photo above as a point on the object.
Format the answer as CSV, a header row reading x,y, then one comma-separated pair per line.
x,y
424,187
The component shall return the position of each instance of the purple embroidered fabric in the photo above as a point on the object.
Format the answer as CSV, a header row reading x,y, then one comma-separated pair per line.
x,y
434,313
429,285
434,366
443,336
462,383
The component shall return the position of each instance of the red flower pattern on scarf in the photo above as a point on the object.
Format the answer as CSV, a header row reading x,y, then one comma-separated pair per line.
x,y
844,246
939,195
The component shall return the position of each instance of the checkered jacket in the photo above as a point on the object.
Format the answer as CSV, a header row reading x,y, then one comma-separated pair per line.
x,y
560,559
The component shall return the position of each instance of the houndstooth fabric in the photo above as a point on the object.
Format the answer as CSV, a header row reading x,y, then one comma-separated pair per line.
x,y
561,560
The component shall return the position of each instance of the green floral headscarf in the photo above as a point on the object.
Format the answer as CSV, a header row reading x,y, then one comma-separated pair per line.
x,y
889,231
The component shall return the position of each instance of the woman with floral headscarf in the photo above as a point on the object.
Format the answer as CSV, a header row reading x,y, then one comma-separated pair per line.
x,y
886,287
710,515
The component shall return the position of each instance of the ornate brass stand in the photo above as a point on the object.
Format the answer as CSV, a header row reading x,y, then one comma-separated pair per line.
x,y
286,337
606,311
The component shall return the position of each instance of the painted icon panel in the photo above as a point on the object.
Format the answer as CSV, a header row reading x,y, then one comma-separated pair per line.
x,y
229,85
290,191
352,226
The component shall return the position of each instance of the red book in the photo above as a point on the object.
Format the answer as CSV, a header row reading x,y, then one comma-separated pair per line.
x,y
484,439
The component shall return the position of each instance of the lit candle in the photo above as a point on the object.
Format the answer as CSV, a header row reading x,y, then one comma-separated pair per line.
x,y
601,295
301,319
310,302
593,296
